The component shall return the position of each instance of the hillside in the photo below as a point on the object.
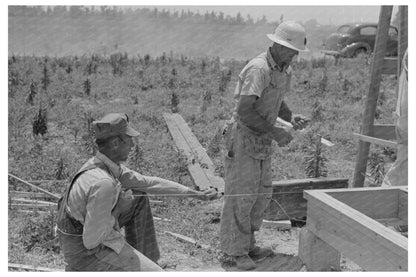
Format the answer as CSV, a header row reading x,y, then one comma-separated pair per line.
x,y
66,35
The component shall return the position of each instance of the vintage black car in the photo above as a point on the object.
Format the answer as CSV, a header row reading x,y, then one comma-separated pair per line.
x,y
353,39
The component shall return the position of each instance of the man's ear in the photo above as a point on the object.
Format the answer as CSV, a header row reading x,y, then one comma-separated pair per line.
x,y
115,143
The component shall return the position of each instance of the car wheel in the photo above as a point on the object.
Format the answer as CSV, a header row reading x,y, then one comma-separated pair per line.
x,y
359,51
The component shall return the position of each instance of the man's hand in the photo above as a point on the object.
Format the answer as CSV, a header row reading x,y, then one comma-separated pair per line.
x,y
208,194
299,122
124,203
281,136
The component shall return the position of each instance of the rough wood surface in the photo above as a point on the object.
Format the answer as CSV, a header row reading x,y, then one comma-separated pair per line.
x,y
33,268
187,239
316,253
365,241
375,140
200,166
287,200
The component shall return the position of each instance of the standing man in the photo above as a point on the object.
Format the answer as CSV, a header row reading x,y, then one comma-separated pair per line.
x,y
258,96
398,173
99,200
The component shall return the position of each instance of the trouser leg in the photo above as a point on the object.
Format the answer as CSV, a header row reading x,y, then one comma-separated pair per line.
x,y
139,228
242,178
129,259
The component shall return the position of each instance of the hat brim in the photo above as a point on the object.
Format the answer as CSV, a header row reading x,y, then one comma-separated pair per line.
x,y
276,39
131,132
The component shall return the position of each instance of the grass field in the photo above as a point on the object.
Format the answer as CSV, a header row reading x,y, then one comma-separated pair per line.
x,y
60,97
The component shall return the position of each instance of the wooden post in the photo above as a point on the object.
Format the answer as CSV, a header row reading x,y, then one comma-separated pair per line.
x,y
316,253
403,11
372,95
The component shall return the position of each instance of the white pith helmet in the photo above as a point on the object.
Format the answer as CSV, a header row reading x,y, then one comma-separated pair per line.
x,y
290,34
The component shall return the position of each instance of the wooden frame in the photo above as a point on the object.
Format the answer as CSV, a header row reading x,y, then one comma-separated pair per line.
x,y
287,200
354,222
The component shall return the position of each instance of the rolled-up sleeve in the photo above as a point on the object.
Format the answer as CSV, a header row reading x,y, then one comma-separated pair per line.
x,y
253,82
130,179
99,223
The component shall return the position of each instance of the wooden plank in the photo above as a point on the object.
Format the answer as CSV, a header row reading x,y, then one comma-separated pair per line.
x,y
31,206
34,268
367,242
35,202
372,95
287,200
395,221
385,131
200,166
290,126
33,186
378,141
373,203
403,206
188,240
389,66
280,225
28,194
316,253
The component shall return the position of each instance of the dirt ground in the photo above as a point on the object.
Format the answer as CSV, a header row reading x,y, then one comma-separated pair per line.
x,y
179,256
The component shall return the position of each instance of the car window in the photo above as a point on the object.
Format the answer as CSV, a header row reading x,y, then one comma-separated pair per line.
x,y
368,31
344,29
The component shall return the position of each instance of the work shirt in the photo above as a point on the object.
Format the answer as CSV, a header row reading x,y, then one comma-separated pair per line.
x,y
263,78
95,193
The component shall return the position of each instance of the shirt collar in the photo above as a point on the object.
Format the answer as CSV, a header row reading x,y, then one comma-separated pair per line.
x,y
273,65
114,168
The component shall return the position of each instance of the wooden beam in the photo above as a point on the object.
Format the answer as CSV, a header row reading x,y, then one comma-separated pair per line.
x,y
33,268
385,131
389,66
31,206
35,187
287,199
371,139
200,166
373,203
316,253
403,36
403,206
35,202
279,225
290,126
28,194
372,95
368,243
188,240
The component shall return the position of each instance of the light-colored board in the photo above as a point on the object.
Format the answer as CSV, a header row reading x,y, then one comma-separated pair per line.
x,y
389,66
35,187
316,253
403,206
373,203
33,268
290,125
31,206
288,201
187,239
28,194
35,202
385,131
378,141
364,240
282,224
200,166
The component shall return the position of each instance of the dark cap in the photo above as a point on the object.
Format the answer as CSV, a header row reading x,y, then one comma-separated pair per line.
x,y
113,124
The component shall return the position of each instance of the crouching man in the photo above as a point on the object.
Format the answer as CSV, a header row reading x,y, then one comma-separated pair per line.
x,y
99,201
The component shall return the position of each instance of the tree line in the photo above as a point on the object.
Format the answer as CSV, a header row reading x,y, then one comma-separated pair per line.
x,y
131,12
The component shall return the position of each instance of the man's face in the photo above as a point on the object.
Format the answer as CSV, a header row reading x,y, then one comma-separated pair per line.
x,y
125,144
286,54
